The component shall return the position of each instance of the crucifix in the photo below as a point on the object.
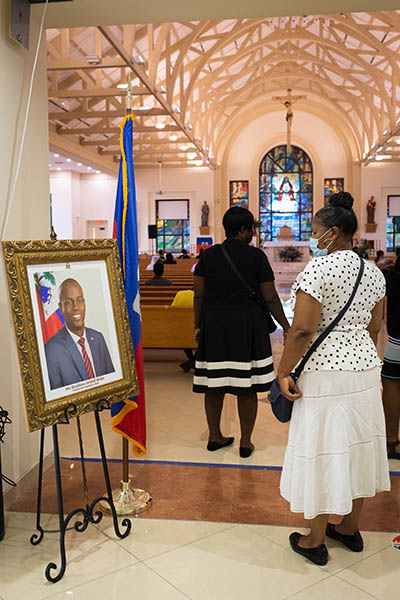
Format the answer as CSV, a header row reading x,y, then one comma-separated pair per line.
x,y
288,103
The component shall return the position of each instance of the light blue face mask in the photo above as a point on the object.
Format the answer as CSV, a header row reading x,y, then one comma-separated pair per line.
x,y
314,245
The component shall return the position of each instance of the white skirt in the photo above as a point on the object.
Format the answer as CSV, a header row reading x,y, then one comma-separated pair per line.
x,y
336,449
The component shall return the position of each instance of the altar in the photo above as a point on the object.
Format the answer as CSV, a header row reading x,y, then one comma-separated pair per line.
x,y
287,257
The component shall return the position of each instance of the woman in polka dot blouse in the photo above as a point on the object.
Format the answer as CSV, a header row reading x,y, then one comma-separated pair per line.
x,y
336,452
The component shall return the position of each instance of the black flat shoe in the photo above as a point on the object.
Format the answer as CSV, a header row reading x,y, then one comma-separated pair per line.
x,y
354,542
391,448
317,555
245,452
212,446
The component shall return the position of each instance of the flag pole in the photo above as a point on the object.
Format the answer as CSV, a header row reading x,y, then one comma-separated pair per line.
x,y
128,501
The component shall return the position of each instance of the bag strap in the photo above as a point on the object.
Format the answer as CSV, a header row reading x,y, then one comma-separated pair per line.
x,y
328,330
234,269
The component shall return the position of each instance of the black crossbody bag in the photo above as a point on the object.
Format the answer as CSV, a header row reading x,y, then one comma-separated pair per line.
x,y
281,406
254,293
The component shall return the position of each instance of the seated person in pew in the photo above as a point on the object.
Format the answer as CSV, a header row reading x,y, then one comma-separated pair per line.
x,y
158,279
185,298
170,259
185,254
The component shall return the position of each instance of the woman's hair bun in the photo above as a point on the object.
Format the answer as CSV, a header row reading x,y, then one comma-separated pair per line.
x,y
343,199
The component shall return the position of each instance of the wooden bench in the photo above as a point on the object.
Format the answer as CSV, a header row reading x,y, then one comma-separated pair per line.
x,y
167,327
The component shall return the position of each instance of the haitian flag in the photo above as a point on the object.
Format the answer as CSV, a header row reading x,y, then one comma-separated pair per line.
x,y
51,319
129,417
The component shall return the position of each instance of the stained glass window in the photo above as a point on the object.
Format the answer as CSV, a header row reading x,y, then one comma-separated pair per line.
x,y
173,234
286,193
392,229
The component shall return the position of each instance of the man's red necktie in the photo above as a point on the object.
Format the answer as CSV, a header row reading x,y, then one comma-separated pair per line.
x,y
86,359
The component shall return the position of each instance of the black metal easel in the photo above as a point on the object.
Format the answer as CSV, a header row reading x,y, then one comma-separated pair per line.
x,y
88,515
4,418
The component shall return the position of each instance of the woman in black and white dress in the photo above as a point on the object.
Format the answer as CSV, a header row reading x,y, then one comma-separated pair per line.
x,y
234,350
336,452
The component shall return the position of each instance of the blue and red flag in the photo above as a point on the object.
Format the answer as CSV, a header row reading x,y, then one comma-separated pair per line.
x,y
51,319
129,416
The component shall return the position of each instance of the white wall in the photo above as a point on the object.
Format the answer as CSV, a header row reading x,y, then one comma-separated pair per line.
x,y
61,202
97,201
29,217
379,180
310,133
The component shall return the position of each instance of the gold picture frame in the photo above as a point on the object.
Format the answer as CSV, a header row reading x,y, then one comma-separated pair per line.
x,y
49,390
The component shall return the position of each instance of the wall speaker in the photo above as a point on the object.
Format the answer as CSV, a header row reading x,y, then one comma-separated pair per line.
x,y
152,229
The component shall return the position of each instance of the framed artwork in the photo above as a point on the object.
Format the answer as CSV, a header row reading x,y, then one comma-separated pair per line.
x,y
239,193
332,186
71,324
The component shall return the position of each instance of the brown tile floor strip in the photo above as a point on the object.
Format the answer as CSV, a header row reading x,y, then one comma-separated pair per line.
x,y
201,493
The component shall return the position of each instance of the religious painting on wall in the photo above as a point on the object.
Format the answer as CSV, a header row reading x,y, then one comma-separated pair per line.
x,y
72,326
239,193
285,193
332,186
393,223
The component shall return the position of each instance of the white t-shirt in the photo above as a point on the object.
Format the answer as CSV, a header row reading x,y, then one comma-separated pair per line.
x,y
330,280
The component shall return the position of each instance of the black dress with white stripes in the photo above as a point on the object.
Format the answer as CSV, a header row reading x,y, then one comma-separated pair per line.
x,y
234,352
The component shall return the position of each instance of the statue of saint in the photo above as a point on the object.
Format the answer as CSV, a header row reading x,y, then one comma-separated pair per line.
x,y
371,204
205,211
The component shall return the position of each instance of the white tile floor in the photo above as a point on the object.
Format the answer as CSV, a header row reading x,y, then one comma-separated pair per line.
x,y
174,560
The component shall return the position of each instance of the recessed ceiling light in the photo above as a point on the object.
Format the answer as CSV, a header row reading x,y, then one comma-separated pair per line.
x,y
191,155
89,168
198,162
98,171
58,168
160,125
56,155
173,138
122,86
49,164
398,141
68,159
183,148
190,126
79,164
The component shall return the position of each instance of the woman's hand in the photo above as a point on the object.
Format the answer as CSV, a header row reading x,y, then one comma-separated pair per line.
x,y
196,335
289,389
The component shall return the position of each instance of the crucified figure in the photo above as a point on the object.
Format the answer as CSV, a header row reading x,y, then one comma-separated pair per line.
x,y
288,103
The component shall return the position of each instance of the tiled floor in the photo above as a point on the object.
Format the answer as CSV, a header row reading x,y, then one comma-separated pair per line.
x,y
174,560
165,559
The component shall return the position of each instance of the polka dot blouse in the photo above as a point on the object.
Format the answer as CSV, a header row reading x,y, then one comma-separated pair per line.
x,y
330,280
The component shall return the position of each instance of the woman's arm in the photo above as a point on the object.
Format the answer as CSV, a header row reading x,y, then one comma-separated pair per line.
x,y
375,323
199,293
305,322
274,304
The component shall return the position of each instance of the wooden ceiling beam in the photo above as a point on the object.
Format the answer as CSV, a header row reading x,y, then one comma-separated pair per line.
x,y
104,114
96,92
99,130
69,64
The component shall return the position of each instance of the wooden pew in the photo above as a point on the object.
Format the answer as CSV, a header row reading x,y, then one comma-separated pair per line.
x,y
167,327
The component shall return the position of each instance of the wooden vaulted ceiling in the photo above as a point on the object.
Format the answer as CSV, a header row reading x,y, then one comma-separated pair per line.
x,y
192,80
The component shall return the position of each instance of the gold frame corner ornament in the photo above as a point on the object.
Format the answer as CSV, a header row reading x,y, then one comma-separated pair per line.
x,y
17,256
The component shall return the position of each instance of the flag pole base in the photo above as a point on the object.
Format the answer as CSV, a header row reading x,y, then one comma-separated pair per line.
x,y
128,501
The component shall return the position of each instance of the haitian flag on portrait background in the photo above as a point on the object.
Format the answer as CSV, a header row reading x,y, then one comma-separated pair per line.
x,y
51,319
129,416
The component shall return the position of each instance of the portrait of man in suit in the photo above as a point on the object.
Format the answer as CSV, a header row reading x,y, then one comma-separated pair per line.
x,y
75,353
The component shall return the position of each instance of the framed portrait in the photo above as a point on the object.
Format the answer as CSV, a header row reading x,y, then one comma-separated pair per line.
x,y
71,324
332,186
239,193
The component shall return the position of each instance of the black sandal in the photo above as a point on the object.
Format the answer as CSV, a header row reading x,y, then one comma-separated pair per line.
x,y
391,448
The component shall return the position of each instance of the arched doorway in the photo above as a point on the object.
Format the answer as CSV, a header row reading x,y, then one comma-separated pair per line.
x,y
286,193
